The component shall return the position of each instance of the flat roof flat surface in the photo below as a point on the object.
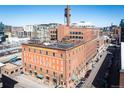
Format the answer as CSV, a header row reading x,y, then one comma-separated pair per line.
x,y
9,66
59,45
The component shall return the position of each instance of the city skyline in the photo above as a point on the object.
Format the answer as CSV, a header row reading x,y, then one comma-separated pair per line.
x,y
20,15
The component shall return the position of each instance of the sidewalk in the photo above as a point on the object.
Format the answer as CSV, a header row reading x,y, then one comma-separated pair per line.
x,y
37,80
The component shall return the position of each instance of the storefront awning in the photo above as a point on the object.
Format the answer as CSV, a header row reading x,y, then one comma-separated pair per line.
x,y
74,77
40,76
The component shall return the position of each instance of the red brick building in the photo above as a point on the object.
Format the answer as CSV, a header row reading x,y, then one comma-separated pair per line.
x,y
61,63
58,63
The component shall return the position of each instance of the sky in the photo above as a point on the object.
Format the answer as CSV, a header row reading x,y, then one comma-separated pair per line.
x,y
20,15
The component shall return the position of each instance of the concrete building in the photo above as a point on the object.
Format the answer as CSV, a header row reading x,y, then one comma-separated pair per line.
x,y
29,29
43,32
12,69
18,32
53,29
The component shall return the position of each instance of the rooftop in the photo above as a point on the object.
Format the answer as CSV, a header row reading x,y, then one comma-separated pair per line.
x,y
9,66
58,45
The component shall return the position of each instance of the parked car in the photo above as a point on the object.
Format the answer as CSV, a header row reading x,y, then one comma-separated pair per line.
x,y
87,74
82,79
80,84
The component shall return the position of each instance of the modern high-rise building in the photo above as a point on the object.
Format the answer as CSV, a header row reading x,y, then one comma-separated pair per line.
x,y
2,33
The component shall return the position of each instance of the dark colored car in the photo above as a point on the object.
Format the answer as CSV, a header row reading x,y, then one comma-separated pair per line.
x,y
87,74
80,84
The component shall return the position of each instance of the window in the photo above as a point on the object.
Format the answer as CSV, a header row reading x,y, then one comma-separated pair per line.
x,y
21,68
35,67
35,73
30,66
46,52
61,55
47,77
69,67
7,73
16,70
46,71
69,61
12,72
30,72
79,32
41,69
62,63
35,60
40,52
25,64
53,54
57,68
47,64
24,49
61,83
54,73
73,52
69,74
53,67
61,75
34,51
29,50
61,68
76,50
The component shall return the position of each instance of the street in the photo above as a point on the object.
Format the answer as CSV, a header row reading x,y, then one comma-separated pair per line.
x,y
8,57
108,75
89,80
